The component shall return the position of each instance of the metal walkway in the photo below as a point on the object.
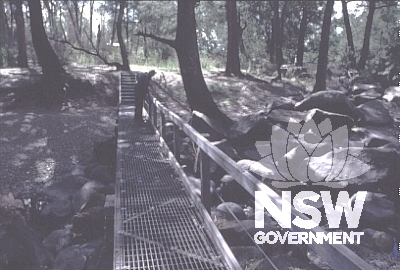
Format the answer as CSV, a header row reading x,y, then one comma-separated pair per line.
x,y
157,225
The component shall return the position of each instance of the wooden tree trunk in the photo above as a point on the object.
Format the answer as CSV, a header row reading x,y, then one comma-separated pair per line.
x,y
301,37
19,19
365,49
322,65
3,32
272,43
48,60
277,38
124,55
91,4
232,56
350,43
198,95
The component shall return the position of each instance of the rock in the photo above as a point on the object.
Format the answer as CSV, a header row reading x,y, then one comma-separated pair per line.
x,y
103,174
337,120
196,184
223,211
232,191
89,169
372,136
11,205
330,101
283,117
65,188
75,257
76,170
204,124
251,152
58,240
225,147
105,152
249,129
375,114
89,224
57,208
102,257
359,88
236,234
375,172
20,246
378,212
380,241
392,94
89,195
305,76
277,102
365,97
284,261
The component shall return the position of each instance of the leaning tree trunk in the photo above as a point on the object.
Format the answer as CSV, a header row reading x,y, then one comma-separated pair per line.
x,y
301,37
124,55
232,56
198,95
19,19
350,43
277,36
185,45
48,60
322,65
367,35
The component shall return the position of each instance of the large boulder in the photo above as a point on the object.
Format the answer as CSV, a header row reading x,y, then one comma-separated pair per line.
x,y
330,101
372,136
365,97
103,173
75,257
380,241
376,172
249,129
89,224
90,195
228,210
359,88
66,188
276,102
282,117
337,120
211,128
20,245
375,113
378,212
58,240
392,94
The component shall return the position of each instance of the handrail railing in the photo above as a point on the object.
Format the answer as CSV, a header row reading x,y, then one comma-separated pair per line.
x,y
337,256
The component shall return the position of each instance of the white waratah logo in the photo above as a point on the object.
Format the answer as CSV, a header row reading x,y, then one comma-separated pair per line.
x,y
311,155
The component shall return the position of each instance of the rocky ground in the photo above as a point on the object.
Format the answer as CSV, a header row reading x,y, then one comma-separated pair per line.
x,y
58,168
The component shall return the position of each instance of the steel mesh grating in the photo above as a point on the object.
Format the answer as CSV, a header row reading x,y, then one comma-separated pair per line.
x,y
157,224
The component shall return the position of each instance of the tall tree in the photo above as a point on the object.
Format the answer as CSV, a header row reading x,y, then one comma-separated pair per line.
x,y
349,34
124,55
19,19
277,36
322,65
368,27
185,45
234,30
302,35
48,60
3,32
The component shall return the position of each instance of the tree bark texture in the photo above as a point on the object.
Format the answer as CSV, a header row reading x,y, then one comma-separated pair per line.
x,y
232,56
322,65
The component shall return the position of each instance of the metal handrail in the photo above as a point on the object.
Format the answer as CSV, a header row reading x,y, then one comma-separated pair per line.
x,y
337,256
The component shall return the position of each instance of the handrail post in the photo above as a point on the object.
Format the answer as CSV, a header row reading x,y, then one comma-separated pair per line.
x,y
155,115
162,127
205,180
177,152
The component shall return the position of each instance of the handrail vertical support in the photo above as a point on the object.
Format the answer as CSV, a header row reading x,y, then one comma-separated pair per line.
x,y
205,180
155,120
177,152
162,127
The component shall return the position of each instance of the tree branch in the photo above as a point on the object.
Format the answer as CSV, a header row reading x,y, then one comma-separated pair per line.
x,y
169,42
97,54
